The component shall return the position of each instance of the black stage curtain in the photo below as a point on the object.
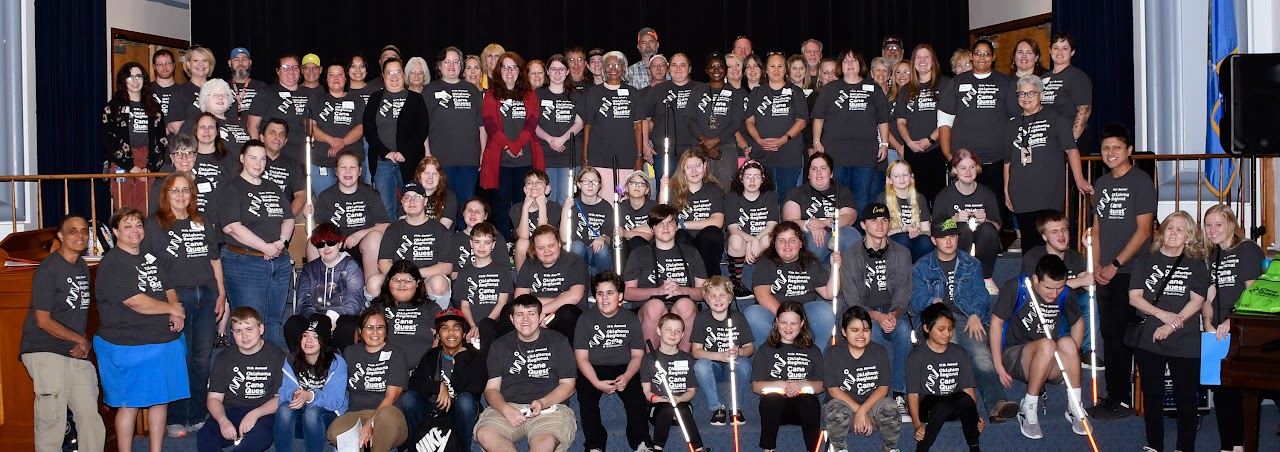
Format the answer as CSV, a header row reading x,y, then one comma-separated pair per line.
x,y
1104,41
336,29
71,40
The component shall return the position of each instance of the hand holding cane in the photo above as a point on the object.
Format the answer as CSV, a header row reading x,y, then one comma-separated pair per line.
x,y
1073,403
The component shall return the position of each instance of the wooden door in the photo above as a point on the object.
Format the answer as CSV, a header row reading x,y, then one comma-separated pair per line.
x,y
1005,38
129,46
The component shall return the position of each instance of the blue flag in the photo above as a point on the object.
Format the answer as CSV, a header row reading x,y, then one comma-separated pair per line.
x,y
1219,173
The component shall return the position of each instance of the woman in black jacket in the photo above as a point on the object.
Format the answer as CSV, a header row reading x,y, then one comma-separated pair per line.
x,y
395,125
133,138
453,390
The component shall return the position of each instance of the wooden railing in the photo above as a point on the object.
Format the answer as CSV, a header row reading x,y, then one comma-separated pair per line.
x,y
1246,191
40,180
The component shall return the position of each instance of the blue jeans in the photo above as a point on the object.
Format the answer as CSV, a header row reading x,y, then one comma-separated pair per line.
x,y
510,192
310,421
463,415
462,181
210,439
388,182
784,179
848,236
898,344
597,261
709,372
559,176
919,246
1087,316
415,407
262,285
818,312
984,369
366,176
866,183
199,304
322,182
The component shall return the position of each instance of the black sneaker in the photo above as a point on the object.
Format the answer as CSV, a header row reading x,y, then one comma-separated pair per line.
x,y
718,417
738,418
741,291
1112,410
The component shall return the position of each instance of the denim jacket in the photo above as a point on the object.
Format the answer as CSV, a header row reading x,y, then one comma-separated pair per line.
x,y
929,282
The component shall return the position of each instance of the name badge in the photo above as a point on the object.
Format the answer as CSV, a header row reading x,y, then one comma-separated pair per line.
x,y
725,92
204,187
547,103
285,95
384,355
623,92
197,226
868,88
965,87
324,171
786,91
149,258
348,104
441,95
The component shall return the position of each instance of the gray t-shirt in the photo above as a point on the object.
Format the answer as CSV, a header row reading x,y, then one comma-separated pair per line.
x,y
612,115
544,281
1076,264
920,111
678,368
351,212
276,101
591,220
335,116
1229,270
245,93
481,286
247,380
233,134
949,268
905,213
426,244
788,282
184,252
558,112
816,203
369,374
786,363
751,216
462,254
1117,203
121,276
1067,90
554,214
950,201
719,113
981,106
287,173
60,288
715,335
1190,276
851,114
514,116
608,340
531,370
139,125
1036,151
776,110
211,173
410,328
163,95
1024,326
701,204
454,109
634,218
670,106
388,117
260,208
857,377
681,263
938,374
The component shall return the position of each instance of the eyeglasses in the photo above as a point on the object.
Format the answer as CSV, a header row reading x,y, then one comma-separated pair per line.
x,y
638,183
589,183
394,72
752,177
220,96
557,70
507,68
180,191
417,73
403,281
136,77
182,154
1026,94
288,67
613,65
375,327
576,59
327,244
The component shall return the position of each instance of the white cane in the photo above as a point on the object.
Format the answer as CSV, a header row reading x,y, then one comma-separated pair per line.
x,y
1076,403
1093,312
666,385
733,383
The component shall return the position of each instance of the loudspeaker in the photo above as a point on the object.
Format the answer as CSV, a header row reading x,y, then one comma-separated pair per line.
x,y
1250,85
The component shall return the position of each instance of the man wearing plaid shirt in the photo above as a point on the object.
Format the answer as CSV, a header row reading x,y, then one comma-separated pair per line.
x,y
647,43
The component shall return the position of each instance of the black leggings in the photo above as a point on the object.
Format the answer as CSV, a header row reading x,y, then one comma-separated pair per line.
x,y
993,177
930,169
1229,408
937,410
632,401
803,410
710,244
1113,315
664,417
344,333
1185,373
986,240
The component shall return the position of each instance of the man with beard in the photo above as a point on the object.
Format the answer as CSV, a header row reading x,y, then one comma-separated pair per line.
x,y
647,43
286,100
812,51
243,87
162,88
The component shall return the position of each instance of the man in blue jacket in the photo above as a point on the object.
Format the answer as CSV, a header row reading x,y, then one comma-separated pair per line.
x,y
954,278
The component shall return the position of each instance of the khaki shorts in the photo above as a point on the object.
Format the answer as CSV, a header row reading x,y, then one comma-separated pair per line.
x,y
1012,356
561,423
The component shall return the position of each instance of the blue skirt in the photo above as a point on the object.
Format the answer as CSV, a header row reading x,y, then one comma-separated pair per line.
x,y
139,376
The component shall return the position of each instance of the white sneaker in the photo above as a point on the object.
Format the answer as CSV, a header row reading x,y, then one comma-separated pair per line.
x,y
1077,424
175,430
195,427
1029,429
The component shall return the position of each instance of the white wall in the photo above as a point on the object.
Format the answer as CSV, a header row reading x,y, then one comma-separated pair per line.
x,y
984,13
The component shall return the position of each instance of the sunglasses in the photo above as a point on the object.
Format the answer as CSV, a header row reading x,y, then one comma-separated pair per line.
x,y
328,244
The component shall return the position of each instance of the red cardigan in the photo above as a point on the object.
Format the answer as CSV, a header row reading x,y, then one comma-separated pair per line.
x,y
491,159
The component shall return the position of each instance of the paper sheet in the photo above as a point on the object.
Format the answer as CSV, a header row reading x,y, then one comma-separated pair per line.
x,y
349,441
1211,353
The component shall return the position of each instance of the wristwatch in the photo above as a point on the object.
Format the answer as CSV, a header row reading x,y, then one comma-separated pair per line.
x,y
1116,262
